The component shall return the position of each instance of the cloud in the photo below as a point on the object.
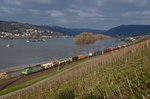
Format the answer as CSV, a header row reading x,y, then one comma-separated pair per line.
x,y
137,2
100,2
74,10
89,14
99,14
55,13
146,12
6,10
12,2
43,1
136,13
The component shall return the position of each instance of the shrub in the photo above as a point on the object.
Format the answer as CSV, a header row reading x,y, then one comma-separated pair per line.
x,y
85,38
101,37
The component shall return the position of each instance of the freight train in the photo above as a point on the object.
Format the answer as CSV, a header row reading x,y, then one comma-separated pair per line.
x,y
41,67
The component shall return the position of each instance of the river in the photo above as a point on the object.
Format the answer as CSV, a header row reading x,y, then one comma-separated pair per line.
x,y
24,53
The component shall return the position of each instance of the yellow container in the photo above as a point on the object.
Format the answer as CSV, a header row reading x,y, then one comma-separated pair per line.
x,y
101,52
81,56
70,59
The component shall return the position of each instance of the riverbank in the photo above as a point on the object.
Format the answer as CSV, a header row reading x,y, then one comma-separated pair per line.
x,y
26,38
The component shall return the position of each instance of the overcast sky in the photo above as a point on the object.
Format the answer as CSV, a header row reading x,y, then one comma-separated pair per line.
x,y
94,14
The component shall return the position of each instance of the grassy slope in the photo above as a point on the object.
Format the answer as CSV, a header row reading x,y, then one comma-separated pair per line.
x,y
125,75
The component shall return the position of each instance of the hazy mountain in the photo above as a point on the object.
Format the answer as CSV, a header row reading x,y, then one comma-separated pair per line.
x,y
73,32
128,30
119,31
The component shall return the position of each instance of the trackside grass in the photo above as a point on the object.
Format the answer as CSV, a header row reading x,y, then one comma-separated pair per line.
x,y
122,74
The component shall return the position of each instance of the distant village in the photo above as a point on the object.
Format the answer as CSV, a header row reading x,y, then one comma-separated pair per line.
x,y
30,33
132,39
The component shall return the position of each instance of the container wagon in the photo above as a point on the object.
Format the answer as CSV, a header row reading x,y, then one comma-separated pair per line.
x,y
90,54
97,53
118,47
55,63
101,52
81,56
75,58
47,65
111,49
67,60
115,48
123,46
106,50
72,59
128,44
61,62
